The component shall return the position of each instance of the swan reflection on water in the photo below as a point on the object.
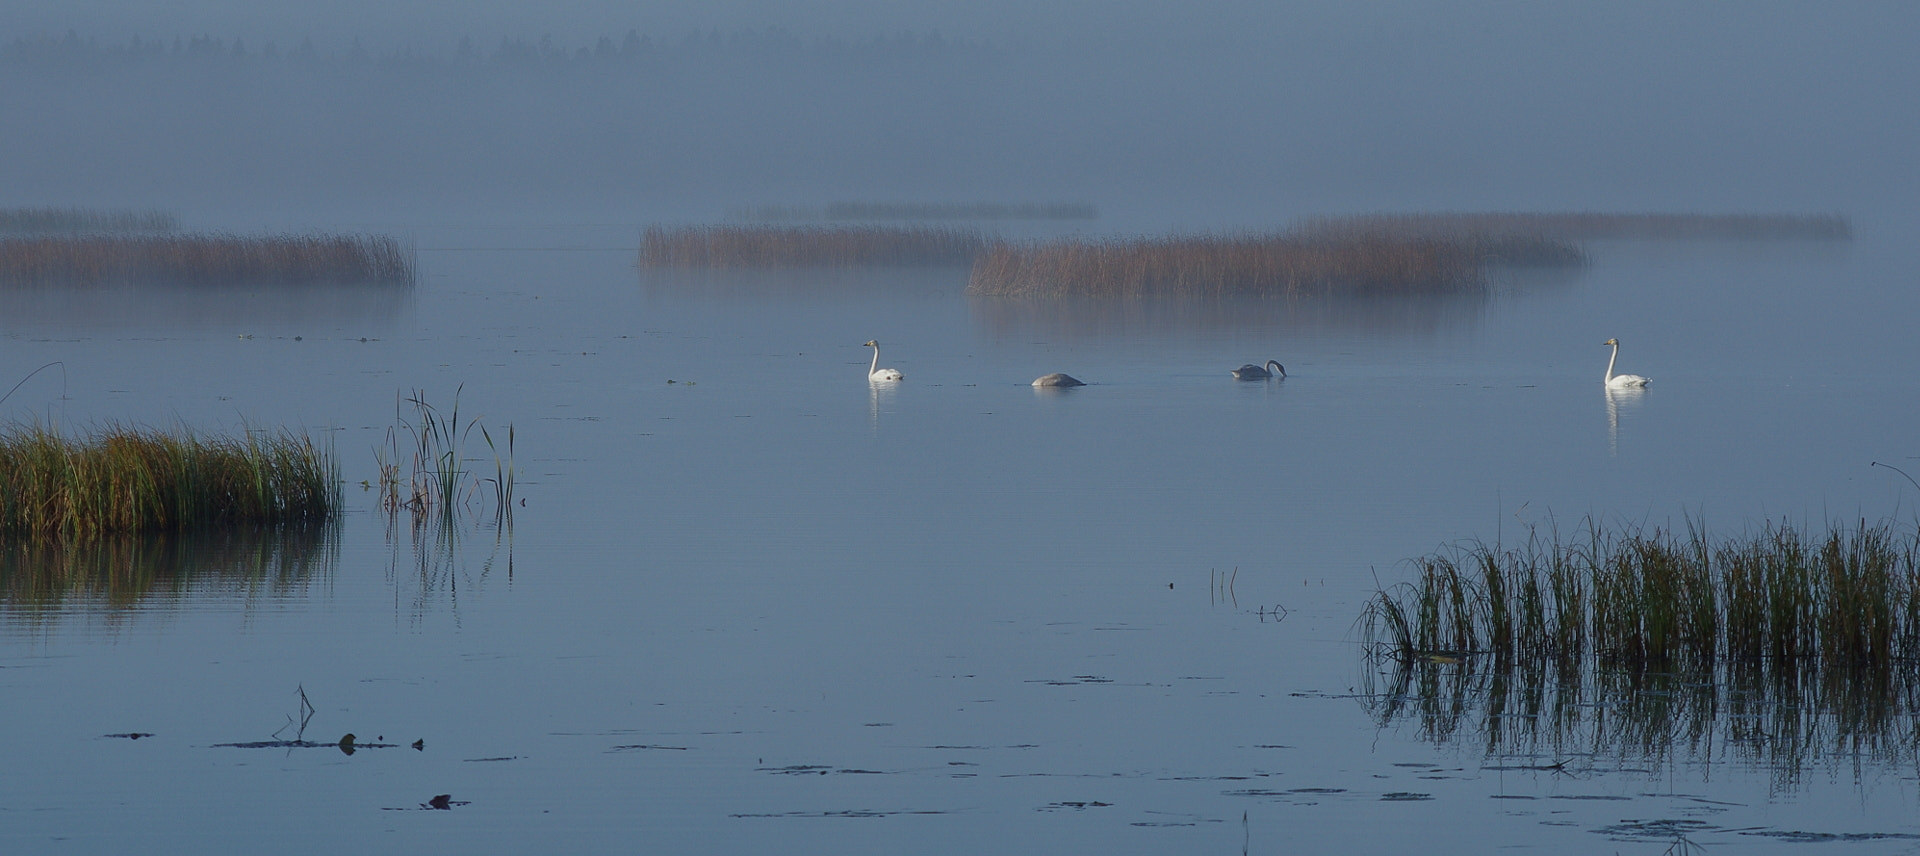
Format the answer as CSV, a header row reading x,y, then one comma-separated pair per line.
x,y
1617,396
880,395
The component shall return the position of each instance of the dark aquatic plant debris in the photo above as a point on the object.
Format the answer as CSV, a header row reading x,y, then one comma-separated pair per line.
x,y
347,744
440,802
1076,806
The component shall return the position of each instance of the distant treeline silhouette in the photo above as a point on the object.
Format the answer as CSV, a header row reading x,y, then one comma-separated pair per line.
x,y
634,46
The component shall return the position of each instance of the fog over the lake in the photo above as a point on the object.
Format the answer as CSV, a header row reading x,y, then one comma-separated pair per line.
x,y
1163,115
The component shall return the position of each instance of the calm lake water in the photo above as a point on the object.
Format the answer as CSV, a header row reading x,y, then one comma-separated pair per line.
x,y
753,604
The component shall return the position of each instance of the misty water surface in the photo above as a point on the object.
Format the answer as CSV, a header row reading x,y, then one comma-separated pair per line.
x,y
753,602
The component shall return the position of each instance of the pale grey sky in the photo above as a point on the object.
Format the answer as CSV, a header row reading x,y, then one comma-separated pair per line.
x,y
1207,111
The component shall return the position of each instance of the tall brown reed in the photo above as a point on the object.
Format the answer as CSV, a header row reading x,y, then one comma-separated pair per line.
x,y
1218,266
211,259
124,479
780,246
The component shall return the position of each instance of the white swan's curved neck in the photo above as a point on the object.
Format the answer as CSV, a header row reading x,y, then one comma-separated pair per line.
x,y
875,365
1610,358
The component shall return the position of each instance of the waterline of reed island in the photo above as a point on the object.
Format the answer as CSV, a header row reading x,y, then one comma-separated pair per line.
x,y
204,259
126,479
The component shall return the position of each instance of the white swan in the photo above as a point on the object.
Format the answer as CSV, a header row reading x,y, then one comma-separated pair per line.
x,y
1624,381
1253,372
875,372
1058,379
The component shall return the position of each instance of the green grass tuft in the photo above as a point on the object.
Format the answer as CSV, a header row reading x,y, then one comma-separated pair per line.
x,y
123,479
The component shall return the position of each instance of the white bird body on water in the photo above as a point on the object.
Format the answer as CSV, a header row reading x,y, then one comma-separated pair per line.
x,y
874,371
1625,381
1058,379
1253,372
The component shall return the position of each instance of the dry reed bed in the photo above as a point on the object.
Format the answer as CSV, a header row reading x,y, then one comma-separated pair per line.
x,y
1233,265
805,246
124,479
1587,225
205,259
84,220
1847,599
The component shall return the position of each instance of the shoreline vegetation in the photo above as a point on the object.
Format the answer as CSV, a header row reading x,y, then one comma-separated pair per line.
x,y
204,259
33,221
127,480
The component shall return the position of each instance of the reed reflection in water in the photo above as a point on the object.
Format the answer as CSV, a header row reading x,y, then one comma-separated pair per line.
x,y
432,560
1075,319
1786,717
42,578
